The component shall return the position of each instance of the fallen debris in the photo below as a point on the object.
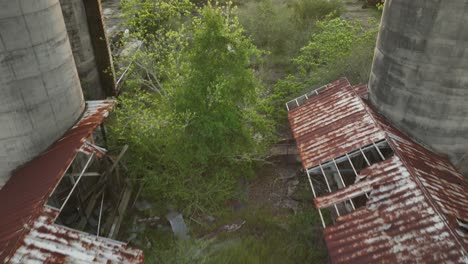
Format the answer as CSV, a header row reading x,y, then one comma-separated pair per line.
x,y
178,225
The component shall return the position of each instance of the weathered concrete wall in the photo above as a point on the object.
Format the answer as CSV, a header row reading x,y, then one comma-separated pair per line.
x,y
80,39
40,93
419,77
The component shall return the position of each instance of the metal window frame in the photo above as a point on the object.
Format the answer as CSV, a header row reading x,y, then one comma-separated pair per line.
x,y
344,158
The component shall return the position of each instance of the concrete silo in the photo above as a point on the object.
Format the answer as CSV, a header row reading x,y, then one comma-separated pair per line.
x,y
77,26
86,31
419,77
40,93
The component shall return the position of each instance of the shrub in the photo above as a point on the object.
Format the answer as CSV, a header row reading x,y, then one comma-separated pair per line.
x,y
194,129
338,48
282,28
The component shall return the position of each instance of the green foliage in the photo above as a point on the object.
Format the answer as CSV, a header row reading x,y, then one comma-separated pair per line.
x,y
220,87
338,48
282,28
263,238
333,41
179,252
150,18
268,23
307,12
380,5
193,129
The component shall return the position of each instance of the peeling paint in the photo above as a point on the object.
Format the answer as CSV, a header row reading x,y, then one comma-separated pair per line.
x,y
27,234
417,195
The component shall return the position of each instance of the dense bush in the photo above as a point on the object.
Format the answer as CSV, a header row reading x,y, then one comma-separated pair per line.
x,y
150,18
338,48
189,114
283,27
262,239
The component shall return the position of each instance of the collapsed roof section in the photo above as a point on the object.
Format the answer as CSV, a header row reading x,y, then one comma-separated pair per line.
x,y
47,242
27,231
416,201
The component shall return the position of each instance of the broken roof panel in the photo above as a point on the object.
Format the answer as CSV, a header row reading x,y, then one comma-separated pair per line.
x,y
47,242
398,224
331,124
24,195
417,199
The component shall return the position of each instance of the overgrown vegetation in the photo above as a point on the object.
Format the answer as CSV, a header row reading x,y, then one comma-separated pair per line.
x,y
338,48
262,239
204,99
194,128
282,27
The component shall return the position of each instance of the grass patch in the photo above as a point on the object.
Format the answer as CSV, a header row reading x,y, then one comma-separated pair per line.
x,y
264,238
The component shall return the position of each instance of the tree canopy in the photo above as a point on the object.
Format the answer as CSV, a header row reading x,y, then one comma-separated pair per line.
x,y
190,114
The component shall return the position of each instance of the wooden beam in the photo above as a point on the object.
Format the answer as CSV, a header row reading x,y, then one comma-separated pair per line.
x,y
122,208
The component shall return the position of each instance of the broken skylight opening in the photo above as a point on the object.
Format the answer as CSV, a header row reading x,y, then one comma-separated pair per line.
x,y
296,102
338,173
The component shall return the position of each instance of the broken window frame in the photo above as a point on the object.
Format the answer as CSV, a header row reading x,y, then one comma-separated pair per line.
x,y
347,157
89,151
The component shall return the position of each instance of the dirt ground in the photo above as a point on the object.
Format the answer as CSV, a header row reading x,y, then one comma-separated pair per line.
x,y
274,186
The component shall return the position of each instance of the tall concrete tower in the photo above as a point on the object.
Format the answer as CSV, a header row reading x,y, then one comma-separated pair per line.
x,y
419,77
86,30
77,26
40,93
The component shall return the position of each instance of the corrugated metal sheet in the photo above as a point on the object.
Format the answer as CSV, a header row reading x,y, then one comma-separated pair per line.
x,y
331,124
416,195
398,224
23,197
360,89
47,242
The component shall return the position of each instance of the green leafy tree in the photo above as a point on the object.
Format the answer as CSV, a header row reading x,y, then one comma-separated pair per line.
x,y
152,18
338,48
281,28
190,116
332,42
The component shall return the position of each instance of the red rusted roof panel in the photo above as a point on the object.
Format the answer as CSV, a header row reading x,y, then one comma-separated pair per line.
x,y
398,223
47,242
23,197
446,188
416,197
331,124
361,89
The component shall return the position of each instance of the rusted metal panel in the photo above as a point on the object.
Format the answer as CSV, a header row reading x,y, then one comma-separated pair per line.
x,y
331,124
360,89
89,148
398,224
47,242
25,194
371,176
416,195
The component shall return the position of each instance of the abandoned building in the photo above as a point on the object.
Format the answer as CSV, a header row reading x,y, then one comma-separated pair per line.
x,y
384,165
388,197
55,205
35,227
384,161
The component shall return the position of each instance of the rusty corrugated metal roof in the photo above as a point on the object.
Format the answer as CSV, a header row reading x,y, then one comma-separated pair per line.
x,y
23,197
47,242
398,223
416,195
331,124
360,89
